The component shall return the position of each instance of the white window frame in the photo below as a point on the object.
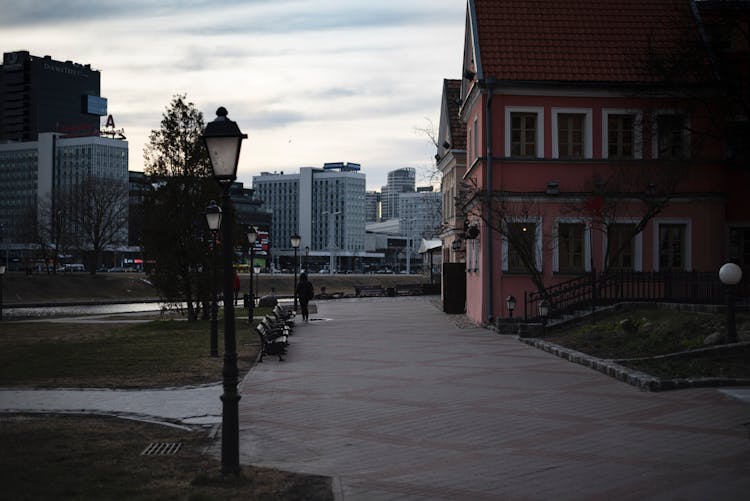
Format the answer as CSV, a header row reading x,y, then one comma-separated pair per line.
x,y
655,134
586,242
588,130
475,139
637,243
637,130
539,127
472,255
688,240
537,221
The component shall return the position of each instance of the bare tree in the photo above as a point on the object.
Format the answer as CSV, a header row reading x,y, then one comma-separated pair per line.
x,y
513,216
98,213
54,228
634,191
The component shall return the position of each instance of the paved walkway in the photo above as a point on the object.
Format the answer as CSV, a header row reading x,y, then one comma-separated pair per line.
x,y
394,400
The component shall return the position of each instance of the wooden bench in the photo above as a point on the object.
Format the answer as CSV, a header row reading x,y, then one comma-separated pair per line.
x,y
409,289
273,341
368,290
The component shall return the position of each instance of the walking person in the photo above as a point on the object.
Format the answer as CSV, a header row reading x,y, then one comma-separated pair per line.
x,y
236,287
305,293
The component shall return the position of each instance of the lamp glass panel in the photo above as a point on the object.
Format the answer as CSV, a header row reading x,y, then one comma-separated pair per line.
x,y
214,220
224,154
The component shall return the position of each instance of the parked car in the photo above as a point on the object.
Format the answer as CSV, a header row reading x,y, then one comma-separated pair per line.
x,y
72,267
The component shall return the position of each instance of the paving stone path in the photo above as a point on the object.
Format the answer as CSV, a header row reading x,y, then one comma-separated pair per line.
x,y
395,400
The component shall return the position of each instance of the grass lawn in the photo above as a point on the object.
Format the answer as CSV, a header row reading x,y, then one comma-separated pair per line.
x,y
643,334
81,457
156,354
94,457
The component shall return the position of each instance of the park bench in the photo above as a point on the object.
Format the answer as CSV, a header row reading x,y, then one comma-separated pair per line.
x,y
284,314
273,341
368,290
409,289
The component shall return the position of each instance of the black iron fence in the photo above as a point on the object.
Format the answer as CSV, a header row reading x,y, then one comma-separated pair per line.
x,y
600,289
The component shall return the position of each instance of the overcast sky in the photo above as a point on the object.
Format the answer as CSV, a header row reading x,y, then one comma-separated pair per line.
x,y
309,81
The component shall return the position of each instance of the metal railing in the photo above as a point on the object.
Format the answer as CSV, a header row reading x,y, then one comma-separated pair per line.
x,y
599,289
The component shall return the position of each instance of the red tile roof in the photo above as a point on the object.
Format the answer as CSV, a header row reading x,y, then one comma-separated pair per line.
x,y
458,127
579,40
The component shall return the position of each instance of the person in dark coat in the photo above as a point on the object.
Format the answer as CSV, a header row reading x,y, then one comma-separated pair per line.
x,y
305,293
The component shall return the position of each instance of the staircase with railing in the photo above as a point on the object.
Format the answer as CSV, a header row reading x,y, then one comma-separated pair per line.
x,y
593,290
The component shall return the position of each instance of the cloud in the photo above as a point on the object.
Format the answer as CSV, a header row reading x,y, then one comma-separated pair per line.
x,y
344,80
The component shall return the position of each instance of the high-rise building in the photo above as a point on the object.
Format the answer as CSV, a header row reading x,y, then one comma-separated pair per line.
x,y
398,181
326,207
39,94
372,206
32,173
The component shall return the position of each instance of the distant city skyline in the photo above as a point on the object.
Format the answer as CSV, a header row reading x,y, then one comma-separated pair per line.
x,y
309,82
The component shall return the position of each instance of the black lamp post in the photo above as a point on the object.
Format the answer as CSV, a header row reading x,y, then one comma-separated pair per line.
x,y
543,308
295,240
2,274
510,303
252,237
213,219
223,140
307,259
730,275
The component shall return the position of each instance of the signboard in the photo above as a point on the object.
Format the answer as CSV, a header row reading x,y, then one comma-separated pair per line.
x,y
95,105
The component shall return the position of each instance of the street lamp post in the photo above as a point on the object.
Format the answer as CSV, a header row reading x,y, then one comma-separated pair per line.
x,y
2,274
256,269
544,308
223,140
295,240
252,237
510,303
307,259
730,275
213,219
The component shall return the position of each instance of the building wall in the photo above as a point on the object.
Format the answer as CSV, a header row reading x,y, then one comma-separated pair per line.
x,y
398,181
39,94
701,211
304,203
30,170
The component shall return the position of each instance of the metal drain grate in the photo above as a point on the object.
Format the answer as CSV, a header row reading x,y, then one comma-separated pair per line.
x,y
161,448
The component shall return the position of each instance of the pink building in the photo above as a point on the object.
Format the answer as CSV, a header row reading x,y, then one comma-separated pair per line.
x,y
591,143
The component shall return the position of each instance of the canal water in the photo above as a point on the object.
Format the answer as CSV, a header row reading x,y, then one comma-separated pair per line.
x,y
78,310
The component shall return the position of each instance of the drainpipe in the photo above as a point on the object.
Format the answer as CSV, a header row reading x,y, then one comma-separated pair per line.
x,y
489,85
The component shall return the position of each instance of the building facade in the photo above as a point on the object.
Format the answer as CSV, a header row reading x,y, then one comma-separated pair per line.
x,y
398,181
583,155
39,179
372,206
39,94
325,206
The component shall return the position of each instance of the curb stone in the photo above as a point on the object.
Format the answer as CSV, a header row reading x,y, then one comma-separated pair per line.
x,y
641,380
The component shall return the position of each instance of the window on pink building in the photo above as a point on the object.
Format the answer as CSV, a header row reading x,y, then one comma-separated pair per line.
x,y
570,135
621,246
570,244
521,248
739,246
671,136
621,134
671,247
523,134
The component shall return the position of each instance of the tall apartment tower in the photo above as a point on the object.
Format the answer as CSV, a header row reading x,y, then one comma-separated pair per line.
x,y
398,181
39,94
326,207
372,206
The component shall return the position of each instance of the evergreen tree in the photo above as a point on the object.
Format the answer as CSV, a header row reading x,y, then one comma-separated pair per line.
x,y
175,236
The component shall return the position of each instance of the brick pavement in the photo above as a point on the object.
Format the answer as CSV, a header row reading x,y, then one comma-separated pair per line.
x,y
396,400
